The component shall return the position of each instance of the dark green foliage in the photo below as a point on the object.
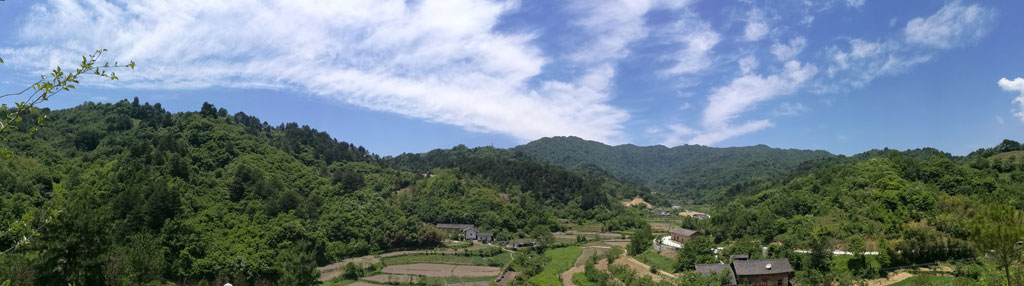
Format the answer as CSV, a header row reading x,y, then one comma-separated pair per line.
x,y
692,171
203,197
696,251
641,240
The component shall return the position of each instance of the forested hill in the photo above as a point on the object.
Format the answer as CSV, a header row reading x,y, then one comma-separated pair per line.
x,y
143,195
690,171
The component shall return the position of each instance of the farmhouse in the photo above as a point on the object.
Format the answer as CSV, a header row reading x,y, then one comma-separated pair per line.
x,y
769,272
469,231
682,234
485,237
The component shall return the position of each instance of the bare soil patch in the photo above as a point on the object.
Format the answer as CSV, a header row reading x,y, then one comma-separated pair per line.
x,y
442,270
387,278
509,276
892,279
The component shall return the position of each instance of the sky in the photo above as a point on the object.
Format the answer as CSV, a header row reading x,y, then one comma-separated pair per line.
x,y
844,76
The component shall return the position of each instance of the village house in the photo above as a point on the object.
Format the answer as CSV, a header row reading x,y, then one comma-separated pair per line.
x,y
763,272
682,234
469,231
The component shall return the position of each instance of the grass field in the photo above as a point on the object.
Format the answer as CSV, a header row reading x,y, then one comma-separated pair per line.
x,y
657,261
927,279
581,280
497,260
561,260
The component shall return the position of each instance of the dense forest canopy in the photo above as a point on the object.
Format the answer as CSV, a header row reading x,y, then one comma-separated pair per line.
x,y
146,194
688,171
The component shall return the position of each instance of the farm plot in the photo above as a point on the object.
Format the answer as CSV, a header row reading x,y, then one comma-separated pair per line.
x,y
441,270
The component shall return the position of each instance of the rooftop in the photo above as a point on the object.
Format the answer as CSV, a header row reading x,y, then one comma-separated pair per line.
x,y
761,267
682,231
707,269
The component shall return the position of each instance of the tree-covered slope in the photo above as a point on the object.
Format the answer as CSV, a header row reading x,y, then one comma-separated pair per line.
x,y
691,171
143,195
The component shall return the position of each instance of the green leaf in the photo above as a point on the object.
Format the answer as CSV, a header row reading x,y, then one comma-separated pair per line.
x,y
1,60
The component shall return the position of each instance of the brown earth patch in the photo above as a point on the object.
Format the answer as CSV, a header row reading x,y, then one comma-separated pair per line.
x,y
392,278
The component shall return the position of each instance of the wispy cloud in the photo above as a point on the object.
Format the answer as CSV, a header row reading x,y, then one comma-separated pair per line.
x,y
756,27
440,61
785,52
790,109
953,25
728,102
699,39
1017,85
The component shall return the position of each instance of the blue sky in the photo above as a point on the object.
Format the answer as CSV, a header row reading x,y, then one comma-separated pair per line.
x,y
410,76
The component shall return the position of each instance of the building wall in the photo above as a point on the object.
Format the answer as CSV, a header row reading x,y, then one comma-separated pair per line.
x,y
767,280
680,237
471,235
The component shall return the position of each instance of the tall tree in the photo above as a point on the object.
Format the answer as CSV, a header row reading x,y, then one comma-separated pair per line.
x,y
998,232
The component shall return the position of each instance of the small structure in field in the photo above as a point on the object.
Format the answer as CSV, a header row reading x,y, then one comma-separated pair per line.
x,y
485,237
682,234
469,231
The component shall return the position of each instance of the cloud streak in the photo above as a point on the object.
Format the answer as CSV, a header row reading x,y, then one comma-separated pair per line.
x,y
441,61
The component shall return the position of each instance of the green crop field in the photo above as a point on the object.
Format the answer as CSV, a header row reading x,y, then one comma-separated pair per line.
x,y
497,260
561,260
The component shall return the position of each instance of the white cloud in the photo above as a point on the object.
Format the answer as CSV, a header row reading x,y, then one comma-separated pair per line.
x,y
865,60
790,109
685,106
748,64
785,52
677,132
699,39
713,136
953,25
1017,85
440,61
756,28
727,102
854,3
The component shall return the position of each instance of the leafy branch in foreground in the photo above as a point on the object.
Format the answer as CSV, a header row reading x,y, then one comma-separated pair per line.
x,y
57,82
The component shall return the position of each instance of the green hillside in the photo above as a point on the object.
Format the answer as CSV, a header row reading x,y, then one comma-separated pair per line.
x,y
690,171
145,195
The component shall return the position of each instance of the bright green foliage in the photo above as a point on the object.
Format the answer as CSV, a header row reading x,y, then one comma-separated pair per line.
x,y
559,260
696,251
214,197
998,232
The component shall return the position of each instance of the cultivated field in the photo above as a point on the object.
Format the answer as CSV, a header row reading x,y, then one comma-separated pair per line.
x,y
442,270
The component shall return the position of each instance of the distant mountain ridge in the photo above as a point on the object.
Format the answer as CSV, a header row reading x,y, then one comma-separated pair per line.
x,y
691,171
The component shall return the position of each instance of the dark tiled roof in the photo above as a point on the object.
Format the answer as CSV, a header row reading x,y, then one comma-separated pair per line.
x,y
682,231
484,234
707,269
759,267
454,226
